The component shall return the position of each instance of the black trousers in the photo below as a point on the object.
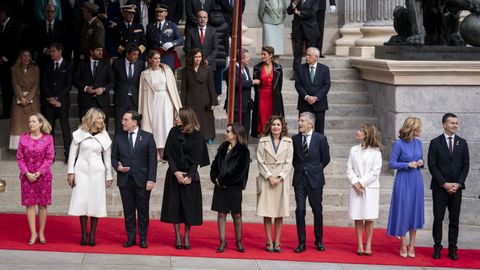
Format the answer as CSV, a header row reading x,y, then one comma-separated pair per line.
x,y
315,197
442,201
62,113
7,89
299,39
120,111
319,120
321,27
135,200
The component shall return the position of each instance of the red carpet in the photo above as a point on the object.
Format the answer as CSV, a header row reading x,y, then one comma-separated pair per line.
x,y
63,234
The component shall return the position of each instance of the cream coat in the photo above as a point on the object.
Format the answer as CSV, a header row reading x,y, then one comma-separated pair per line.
x,y
364,166
273,201
90,161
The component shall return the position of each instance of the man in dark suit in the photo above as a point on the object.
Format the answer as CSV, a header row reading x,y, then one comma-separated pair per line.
x,y
55,89
129,31
312,85
448,163
204,38
8,55
321,21
163,36
134,157
310,157
304,28
192,7
94,78
127,78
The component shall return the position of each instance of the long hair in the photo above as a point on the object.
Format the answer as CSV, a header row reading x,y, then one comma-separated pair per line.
x,y
45,127
189,119
407,132
239,132
151,54
190,57
90,117
267,130
371,136
18,62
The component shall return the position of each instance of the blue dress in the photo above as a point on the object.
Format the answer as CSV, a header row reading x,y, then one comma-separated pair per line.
x,y
406,207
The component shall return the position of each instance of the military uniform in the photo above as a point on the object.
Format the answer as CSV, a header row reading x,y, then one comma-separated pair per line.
x,y
156,38
134,35
92,33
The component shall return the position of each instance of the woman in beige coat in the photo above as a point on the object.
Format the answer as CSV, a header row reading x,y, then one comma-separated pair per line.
x,y
274,156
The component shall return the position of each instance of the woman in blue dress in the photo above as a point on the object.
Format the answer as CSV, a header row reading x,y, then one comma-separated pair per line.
x,y
406,206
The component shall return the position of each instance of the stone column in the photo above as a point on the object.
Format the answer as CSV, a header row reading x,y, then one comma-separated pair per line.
x,y
355,17
378,28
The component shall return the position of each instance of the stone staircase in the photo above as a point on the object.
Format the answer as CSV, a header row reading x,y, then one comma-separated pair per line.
x,y
349,108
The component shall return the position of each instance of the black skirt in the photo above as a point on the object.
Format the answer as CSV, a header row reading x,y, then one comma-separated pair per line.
x,y
226,200
181,203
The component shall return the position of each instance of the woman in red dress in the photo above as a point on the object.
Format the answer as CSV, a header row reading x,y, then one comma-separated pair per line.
x,y
267,80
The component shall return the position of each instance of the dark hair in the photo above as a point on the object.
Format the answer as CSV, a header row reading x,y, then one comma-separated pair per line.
x,y
95,46
446,116
189,119
57,46
6,9
269,49
151,53
131,47
267,130
135,116
190,57
239,132
201,11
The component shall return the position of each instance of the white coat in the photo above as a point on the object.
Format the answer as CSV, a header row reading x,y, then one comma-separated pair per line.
x,y
364,166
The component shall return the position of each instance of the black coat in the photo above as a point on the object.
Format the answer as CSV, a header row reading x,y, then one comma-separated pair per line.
x,y
231,169
246,85
43,40
306,22
191,9
446,168
124,36
123,83
277,94
56,84
319,88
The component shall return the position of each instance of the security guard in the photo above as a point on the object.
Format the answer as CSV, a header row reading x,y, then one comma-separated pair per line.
x,y
129,31
163,36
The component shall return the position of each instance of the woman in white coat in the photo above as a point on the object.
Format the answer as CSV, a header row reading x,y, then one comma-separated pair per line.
x,y
274,156
89,172
363,171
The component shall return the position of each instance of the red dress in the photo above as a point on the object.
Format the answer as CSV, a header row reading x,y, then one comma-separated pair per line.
x,y
265,104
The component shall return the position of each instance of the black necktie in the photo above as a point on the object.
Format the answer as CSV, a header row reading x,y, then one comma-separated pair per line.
x,y
450,145
95,63
50,30
128,26
130,140
305,145
56,66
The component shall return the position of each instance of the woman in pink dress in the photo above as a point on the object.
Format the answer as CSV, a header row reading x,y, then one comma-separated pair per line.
x,y
35,154
267,81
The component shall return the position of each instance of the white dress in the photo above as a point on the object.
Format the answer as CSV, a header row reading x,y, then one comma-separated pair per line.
x,y
90,161
364,166
162,120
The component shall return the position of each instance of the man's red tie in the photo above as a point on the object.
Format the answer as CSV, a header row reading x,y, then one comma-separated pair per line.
x,y
202,36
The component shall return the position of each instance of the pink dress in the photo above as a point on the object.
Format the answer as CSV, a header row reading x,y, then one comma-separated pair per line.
x,y
36,155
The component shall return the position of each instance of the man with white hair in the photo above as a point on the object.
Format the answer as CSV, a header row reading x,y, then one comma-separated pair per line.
x,y
312,85
311,155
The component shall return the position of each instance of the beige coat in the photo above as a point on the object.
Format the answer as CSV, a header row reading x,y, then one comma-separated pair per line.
x,y
273,201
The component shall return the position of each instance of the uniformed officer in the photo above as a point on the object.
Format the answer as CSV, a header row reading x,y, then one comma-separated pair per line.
x,y
93,31
163,36
129,31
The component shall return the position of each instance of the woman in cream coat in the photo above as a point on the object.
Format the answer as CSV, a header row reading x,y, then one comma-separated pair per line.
x,y
274,156
159,100
89,172
363,171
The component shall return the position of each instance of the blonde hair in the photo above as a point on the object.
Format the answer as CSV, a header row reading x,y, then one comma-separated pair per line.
x,y
189,120
371,136
411,124
46,128
90,117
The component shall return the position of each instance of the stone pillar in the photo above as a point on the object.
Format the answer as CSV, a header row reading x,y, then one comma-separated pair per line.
x,y
354,18
378,28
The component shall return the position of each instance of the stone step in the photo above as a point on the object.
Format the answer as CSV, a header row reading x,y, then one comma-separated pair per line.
x,y
335,73
287,61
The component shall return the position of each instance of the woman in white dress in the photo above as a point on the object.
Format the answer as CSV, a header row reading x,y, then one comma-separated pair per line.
x,y
89,172
363,171
274,156
159,100
271,14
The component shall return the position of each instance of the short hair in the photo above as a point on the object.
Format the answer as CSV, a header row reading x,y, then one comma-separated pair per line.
x,y
95,46
315,51
45,127
269,49
57,46
407,131
446,116
50,4
267,130
310,117
239,132
202,10
189,119
6,9
371,136
90,117
131,47
135,116
244,51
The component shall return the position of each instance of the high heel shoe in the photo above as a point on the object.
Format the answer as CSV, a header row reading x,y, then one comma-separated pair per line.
x,y
269,247
178,244
186,244
32,241
221,247
276,247
83,241
403,254
240,247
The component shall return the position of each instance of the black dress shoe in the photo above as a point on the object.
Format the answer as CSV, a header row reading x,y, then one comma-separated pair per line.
x,y
240,247
437,251
129,244
143,244
320,246
221,247
293,78
83,241
452,254
300,248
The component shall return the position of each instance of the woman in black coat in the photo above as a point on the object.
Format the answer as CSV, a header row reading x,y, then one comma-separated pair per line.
x,y
229,173
185,150
268,66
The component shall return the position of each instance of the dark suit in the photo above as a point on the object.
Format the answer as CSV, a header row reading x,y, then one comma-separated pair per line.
x,y
209,47
447,168
321,21
191,9
247,102
308,181
43,40
304,28
228,14
84,77
134,35
318,88
122,100
142,161
57,84
8,49
156,38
